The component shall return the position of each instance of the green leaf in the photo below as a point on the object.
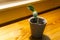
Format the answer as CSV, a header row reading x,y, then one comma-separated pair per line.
x,y
31,8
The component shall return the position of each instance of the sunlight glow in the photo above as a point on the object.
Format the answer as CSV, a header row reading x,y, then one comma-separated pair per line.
x,y
16,4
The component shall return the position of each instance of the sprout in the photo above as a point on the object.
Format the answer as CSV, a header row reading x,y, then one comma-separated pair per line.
x,y
33,10
35,13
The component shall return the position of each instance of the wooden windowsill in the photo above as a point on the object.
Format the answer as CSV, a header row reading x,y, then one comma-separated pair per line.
x,y
21,30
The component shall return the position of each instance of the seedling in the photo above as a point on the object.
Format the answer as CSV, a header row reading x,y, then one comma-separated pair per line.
x,y
35,13
37,24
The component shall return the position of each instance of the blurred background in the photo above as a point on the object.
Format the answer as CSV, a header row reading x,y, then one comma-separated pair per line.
x,y
14,13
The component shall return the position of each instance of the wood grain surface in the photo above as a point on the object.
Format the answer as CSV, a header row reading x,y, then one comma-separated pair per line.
x,y
21,30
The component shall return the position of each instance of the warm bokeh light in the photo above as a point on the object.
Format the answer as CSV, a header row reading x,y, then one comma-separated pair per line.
x,y
16,3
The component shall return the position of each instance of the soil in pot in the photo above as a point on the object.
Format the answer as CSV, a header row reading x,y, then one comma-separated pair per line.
x,y
40,20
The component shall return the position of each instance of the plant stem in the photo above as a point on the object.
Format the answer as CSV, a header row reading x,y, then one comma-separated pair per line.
x,y
35,13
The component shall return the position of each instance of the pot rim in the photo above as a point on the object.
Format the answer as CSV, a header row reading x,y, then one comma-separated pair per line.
x,y
45,21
